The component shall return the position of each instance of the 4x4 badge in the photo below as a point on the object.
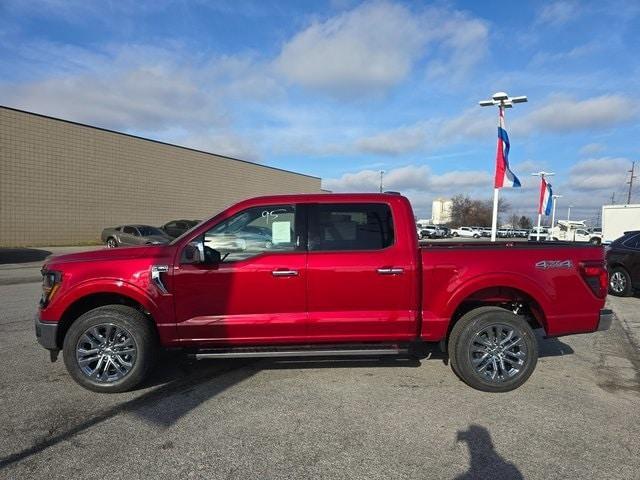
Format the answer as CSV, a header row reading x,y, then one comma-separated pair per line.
x,y
547,264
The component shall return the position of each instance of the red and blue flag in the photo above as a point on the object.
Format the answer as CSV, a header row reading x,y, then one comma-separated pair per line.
x,y
546,198
504,176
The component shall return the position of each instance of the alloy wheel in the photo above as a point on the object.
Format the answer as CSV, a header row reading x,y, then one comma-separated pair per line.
x,y
106,353
618,282
498,353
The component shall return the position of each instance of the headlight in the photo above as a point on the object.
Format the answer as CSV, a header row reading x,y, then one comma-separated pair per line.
x,y
51,281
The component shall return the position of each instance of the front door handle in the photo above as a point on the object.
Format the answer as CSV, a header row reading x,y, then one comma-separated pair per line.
x,y
285,273
390,271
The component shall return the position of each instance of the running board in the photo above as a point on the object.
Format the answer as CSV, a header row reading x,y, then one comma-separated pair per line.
x,y
317,351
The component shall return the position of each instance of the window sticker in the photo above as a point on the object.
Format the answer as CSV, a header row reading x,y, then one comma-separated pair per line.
x,y
281,232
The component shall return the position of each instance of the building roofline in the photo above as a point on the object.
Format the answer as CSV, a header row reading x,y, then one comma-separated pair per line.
x,y
156,141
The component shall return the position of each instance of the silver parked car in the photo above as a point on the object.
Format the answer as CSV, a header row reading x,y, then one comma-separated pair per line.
x,y
129,235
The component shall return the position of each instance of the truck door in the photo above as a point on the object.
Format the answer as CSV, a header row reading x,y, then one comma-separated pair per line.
x,y
256,292
582,236
361,280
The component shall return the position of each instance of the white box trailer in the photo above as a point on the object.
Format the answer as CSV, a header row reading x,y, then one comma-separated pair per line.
x,y
617,219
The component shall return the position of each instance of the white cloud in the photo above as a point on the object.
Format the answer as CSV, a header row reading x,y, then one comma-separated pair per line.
x,y
592,149
371,47
563,114
417,178
375,46
394,142
464,44
470,125
137,89
558,13
599,173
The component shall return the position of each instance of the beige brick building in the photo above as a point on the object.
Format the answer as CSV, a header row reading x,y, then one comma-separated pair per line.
x,y
61,182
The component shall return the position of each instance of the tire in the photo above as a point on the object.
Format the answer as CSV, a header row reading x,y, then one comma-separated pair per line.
x,y
488,376
620,282
595,241
455,234
122,324
112,242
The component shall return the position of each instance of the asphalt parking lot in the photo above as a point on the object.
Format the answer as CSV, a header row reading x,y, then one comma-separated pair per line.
x,y
577,417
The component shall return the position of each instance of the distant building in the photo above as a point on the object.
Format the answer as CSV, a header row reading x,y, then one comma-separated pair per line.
x,y
441,211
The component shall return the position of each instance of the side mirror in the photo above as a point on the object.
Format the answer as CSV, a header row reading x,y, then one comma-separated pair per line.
x,y
193,253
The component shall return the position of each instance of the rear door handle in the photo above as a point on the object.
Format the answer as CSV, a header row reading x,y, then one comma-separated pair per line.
x,y
390,271
284,273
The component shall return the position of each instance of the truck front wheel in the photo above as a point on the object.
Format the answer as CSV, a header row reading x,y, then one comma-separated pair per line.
x,y
110,349
492,349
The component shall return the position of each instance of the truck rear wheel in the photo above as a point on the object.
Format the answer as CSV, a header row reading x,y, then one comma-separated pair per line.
x,y
492,349
110,349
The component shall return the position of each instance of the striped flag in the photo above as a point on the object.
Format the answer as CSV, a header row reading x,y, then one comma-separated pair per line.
x,y
546,198
504,176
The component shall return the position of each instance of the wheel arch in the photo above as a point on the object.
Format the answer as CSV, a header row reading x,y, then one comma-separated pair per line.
x,y
517,292
91,301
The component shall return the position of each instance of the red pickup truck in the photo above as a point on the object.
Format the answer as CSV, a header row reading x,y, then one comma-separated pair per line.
x,y
317,275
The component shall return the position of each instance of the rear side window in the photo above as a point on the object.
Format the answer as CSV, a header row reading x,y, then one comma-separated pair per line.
x,y
130,230
633,241
361,226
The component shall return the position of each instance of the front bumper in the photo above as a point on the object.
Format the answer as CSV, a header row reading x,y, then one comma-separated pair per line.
x,y
606,319
47,334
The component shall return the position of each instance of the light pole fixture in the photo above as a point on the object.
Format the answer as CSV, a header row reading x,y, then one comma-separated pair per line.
x,y
553,215
543,185
502,101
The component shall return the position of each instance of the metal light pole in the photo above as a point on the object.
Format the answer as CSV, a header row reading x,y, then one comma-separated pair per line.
x,y
542,175
553,213
381,175
502,100
569,213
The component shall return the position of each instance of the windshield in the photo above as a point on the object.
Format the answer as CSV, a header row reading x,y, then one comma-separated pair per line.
x,y
146,231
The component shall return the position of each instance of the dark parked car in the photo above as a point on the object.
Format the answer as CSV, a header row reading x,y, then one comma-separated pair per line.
x,y
623,263
175,228
128,235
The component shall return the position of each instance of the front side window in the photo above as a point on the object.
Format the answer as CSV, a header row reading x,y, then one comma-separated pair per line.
x,y
361,226
130,230
268,229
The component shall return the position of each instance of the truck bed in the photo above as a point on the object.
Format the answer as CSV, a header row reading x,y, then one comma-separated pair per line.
x,y
545,275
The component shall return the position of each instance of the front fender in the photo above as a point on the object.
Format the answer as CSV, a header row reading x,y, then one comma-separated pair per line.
x,y
66,298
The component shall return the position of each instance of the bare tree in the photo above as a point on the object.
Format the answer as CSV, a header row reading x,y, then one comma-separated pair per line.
x,y
525,223
468,212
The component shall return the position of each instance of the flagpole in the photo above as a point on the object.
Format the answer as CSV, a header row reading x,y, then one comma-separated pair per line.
x,y
502,101
494,218
542,176
496,190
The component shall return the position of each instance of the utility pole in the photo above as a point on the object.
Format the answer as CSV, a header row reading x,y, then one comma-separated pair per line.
x,y
569,213
502,100
543,186
630,182
613,198
381,176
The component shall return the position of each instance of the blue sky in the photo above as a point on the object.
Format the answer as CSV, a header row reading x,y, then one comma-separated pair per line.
x,y
343,89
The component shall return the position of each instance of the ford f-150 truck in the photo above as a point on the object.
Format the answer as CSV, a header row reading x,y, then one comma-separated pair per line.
x,y
325,274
